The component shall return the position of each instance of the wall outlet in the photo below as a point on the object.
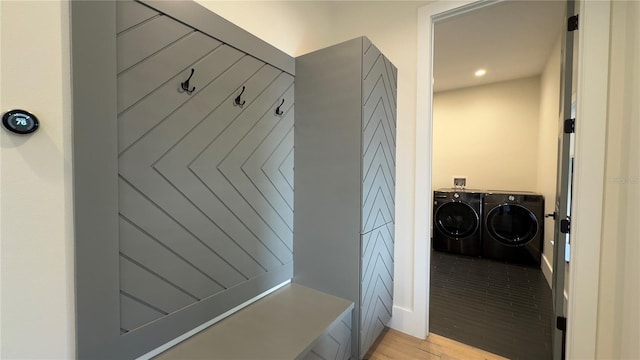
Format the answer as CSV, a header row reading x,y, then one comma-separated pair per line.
x,y
459,182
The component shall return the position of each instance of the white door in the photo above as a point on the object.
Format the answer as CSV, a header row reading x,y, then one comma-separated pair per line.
x,y
562,214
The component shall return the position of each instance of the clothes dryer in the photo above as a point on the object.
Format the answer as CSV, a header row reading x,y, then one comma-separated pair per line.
x,y
457,219
513,227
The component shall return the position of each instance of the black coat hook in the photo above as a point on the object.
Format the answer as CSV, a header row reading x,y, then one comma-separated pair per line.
x,y
185,85
278,111
238,102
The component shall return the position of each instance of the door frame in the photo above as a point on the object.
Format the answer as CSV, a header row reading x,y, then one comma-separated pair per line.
x,y
593,65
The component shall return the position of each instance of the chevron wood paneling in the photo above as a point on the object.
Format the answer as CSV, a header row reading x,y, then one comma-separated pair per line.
x,y
378,193
377,284
205,185
379,138
335,344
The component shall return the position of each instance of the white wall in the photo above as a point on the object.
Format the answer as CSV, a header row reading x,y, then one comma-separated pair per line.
x,y
392,27
36,254
619,293
295,27
488,134
548,148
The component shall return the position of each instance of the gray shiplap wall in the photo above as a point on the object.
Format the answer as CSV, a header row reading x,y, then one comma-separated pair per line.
x,y
201,209
203,191
379,94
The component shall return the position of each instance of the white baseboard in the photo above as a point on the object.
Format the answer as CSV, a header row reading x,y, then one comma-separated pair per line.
x,y
547,270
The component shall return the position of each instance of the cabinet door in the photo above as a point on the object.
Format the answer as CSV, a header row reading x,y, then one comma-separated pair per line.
x,y
379,138
377,284
205,182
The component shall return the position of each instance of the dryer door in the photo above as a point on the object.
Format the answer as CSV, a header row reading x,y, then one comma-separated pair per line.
x,y
512,225
456,220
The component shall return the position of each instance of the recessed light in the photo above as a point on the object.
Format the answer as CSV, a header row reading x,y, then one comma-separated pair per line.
x,y
481,72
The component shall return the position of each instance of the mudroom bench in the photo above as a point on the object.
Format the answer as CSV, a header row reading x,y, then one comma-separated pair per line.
x,y
294,322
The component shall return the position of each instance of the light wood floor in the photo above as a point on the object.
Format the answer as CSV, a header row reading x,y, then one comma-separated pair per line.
x,y
399,346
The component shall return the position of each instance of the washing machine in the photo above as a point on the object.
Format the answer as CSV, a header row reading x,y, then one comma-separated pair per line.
x,y
457,221
513,227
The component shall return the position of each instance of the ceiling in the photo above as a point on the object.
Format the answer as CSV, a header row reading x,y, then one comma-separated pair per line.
x,y
510,39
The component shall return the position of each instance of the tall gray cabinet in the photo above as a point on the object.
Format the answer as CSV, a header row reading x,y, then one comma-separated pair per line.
x,y
345,180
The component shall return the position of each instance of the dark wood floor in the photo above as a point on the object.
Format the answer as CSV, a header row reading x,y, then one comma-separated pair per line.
x,y
502,308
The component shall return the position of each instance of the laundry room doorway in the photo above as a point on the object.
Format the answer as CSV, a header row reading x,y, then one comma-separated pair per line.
x,y
591,107
495,107
511,143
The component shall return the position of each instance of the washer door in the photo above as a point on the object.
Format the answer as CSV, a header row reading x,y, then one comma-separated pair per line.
x,y
457,220
512,225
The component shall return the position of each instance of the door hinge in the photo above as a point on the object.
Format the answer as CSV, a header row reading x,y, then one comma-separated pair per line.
x,y
569,126
565,226
572,23
561,323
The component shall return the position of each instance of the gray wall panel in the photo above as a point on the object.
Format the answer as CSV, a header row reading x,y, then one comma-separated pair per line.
x,y
286,167
95,186
156,333
146,76
197,168
377,283
242,165
379,94
172,234
136,314
379,99
158,293
228,181
224,62
130,13
372,329
198,233
171,151
392,74
143,41
277,173
196,15
379,159
370,54
166,262
379,110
